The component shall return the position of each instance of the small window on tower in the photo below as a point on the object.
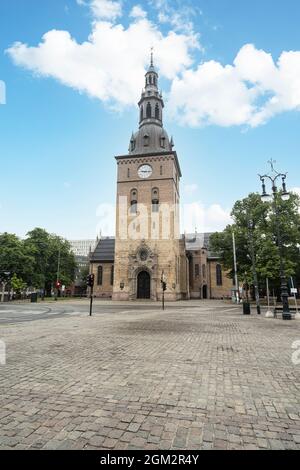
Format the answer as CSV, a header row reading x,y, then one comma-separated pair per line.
x,y
128,172
148,111
161,170
156,111
163,141
146,140
155,200
133,201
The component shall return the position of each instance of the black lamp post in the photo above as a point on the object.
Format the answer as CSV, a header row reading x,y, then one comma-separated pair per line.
x,y
286,314
251,227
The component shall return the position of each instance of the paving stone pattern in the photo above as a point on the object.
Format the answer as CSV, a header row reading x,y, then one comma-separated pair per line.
x,y
203,377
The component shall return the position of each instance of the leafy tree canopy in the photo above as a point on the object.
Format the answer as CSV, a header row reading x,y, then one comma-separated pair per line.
x,y
37,259
260,225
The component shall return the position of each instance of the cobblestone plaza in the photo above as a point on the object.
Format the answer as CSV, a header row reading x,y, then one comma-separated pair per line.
x,y
199,375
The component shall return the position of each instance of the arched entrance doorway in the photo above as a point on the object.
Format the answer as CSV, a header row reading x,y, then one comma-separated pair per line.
x,y
143,285
204,293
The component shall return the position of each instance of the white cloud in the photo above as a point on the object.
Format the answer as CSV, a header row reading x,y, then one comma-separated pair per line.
x,y
249,92
211,218
211,94
103,9
138,12
177,14
110,65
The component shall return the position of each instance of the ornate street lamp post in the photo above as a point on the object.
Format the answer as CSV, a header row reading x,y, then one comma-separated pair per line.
x,y
286,314
251,228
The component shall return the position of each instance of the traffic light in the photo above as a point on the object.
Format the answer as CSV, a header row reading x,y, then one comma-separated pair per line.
x,y
90,280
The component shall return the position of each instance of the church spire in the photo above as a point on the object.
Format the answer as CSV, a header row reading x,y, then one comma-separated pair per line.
x,y
151,135
151,67
151,103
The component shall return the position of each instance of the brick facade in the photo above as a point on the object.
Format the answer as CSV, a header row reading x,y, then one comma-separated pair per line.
x,y
159,238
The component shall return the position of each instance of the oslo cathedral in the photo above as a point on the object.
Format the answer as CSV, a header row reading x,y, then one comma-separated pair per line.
x,y
148,246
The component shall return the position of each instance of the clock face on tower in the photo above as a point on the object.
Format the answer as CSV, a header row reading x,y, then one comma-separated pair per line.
x,y
145,171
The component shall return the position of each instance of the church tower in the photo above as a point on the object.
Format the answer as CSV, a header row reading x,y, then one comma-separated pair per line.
x,y
148,244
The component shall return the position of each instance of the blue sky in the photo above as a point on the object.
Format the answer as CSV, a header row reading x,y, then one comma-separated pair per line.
x,y
229,71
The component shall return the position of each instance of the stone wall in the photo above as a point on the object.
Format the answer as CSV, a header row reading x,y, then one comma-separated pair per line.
x,y
219,291
104,290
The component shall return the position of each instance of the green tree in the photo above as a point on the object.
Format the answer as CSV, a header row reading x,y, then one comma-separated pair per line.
x,y
14,256
256,229
51,253
37,243
17,284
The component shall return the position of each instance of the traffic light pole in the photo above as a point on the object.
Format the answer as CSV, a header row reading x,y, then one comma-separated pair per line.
x,y
91,301
164,287
90,283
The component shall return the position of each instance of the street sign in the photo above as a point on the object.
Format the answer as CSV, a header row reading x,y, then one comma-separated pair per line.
x,y
294,291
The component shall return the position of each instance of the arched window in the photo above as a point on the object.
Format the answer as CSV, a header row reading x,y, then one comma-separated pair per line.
x,y
148,111
150,79
112,275
197,273
142,113
204,271
154,80
155,200
128,172
219,279
133,201
100,276
156,111
163,141
146,140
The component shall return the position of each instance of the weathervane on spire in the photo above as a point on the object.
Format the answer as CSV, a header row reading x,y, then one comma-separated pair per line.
x,y
151,62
